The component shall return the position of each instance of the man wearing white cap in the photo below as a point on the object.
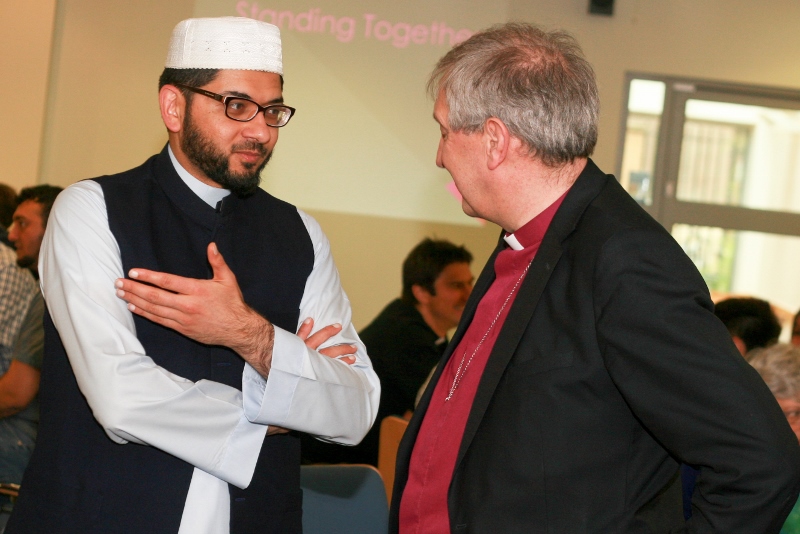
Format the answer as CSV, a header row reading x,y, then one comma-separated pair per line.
x,y
171,418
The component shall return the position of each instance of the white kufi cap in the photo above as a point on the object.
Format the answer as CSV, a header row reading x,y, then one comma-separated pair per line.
x,y
236,43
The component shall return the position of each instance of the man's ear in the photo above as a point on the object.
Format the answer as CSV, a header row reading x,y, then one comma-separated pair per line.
x,y
173,106
497,141
740,344
420,293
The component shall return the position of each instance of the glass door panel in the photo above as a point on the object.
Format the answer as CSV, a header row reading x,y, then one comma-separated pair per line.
x,y
645,107
757,264
740,155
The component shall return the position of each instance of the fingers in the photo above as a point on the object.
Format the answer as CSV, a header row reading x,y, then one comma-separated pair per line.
x,y
338,351
163,315
151,299
343,353
276,430
169,282
323,335
305,329
157,314
175,283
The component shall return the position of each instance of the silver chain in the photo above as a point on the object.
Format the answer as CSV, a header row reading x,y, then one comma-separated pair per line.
x,y
459,372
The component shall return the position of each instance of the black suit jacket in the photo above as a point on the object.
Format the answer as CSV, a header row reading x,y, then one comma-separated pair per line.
x,y
610,370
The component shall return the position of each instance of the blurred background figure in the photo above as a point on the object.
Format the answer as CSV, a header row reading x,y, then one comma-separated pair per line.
x,y
407,339
8,202
796,330
779,366
751,322
21,330
29,222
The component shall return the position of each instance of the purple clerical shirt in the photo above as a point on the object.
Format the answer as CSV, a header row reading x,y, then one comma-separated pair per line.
x,y
423,508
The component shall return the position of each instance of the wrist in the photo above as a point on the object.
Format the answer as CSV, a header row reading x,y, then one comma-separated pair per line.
x,y
257,339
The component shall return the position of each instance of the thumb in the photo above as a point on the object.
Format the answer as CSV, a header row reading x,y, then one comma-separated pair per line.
x,y
218,265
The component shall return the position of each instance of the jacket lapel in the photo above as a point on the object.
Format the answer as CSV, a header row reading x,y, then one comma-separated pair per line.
x,y
588,185
410,436
586,188
478,291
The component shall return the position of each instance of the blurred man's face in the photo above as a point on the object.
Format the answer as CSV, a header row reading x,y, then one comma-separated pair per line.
x,y
791,409
796,332
452,287
26,233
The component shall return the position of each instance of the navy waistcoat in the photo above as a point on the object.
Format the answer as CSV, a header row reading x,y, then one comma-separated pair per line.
x,y
78,479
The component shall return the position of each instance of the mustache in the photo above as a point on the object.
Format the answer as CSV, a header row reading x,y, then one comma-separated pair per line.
x,y
251,146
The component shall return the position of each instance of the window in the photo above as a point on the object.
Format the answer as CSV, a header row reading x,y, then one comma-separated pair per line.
x,y
719,166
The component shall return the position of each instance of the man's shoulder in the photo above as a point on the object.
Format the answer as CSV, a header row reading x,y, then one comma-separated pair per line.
x,y
261,198
397,311
134,175
7,255
29,346
21,277
398,322
601,207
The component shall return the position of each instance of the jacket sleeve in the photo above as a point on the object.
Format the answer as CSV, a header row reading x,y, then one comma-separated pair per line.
x,y
677,368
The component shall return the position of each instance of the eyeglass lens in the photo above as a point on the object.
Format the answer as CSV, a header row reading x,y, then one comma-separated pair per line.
x,y
240,109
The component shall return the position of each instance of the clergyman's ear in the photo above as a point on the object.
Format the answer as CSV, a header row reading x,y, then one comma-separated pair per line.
x,y
497,141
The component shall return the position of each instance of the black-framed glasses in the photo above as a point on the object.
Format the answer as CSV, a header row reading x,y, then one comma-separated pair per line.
x,y
244,110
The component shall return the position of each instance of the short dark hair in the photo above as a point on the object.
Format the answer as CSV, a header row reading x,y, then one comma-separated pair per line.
x,y
190,77
425,263
750,319
8,203
42,194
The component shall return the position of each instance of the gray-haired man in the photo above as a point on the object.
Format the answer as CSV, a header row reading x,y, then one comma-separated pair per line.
x,y
588,362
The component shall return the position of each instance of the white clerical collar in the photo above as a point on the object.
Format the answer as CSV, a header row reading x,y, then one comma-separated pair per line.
x,y
209,195
512,242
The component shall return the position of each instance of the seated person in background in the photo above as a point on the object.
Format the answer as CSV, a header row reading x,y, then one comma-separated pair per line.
x,y
8,201
796,330
17,290
22,330
750,321
407,339
779,366
19,386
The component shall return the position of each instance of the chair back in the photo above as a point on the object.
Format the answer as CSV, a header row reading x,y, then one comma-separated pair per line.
x,y
392,430
343,499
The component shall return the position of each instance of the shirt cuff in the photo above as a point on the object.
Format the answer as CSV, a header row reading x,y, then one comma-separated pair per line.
x,y
268,401
241,454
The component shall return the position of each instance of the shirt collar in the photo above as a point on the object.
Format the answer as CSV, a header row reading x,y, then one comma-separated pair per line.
x,y
532,232
210,195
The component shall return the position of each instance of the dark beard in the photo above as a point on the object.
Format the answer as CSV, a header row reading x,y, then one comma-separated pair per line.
x,y
26,262
215,165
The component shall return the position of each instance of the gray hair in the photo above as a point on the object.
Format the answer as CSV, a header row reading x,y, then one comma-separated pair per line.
x,y
779,366
537,82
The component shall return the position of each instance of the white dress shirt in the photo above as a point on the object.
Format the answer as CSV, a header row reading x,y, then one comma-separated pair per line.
x,y
216,428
